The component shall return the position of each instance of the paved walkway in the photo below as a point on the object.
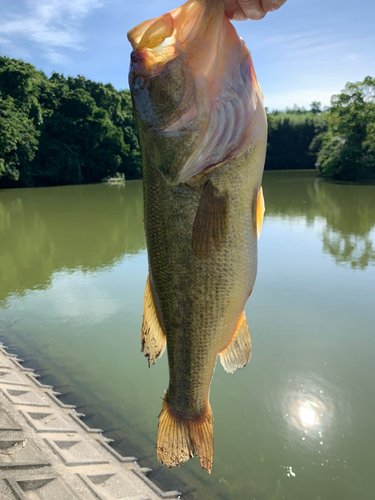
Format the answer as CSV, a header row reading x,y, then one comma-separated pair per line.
x,y
48,453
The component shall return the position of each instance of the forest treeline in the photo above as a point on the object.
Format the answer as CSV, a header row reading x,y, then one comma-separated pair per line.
x,y
339,141
62,130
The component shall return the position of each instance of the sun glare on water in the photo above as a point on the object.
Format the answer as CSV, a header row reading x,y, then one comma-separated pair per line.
x,y
308,412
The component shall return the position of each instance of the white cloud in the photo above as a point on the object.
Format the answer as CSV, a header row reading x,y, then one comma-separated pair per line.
x,y
56,58
50,23
312,42
72,295
302,67
77,295
282,100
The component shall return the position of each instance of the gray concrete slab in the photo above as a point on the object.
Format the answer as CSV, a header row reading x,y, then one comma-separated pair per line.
x,y
48,453
25,397
48,421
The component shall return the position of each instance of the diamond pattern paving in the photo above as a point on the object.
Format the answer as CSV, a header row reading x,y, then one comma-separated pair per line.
x,y
47,453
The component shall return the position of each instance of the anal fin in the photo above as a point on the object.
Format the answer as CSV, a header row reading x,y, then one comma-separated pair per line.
x,y
238,351
152,334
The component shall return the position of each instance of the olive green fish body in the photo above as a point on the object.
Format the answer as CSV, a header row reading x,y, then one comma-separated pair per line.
x,y
202,132
199,300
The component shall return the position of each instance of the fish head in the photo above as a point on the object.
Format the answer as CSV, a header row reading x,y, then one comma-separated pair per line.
x,y
195,96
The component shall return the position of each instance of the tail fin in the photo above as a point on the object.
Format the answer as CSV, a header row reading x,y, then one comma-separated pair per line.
x,y
179,439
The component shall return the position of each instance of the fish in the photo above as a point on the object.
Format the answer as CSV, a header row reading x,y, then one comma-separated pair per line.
x,y
203,133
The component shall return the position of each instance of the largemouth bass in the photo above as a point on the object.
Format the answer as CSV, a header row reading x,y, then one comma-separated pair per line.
x,y
202,130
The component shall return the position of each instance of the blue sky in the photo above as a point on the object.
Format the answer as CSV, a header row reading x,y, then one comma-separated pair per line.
x,y
305,51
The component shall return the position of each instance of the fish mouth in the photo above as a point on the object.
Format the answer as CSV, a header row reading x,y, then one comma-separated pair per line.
x,y
221,93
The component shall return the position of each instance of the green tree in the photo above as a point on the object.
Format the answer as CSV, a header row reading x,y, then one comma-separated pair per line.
x,y
20,117
347,151
78,143
18,141
316,107
290,134
61,130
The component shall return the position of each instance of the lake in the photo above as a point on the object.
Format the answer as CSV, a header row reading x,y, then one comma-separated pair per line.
x,y
297,422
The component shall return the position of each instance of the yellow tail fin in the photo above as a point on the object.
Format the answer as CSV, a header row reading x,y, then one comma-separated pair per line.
x,y
179,439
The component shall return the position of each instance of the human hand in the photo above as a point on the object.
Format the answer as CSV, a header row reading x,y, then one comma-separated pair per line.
x,y
240,10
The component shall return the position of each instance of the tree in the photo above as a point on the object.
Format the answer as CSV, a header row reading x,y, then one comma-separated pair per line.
x,y
347,150
61,130
290,134
18,141
316,107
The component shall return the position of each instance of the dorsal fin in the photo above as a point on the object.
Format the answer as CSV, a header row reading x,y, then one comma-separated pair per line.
x,y
152,334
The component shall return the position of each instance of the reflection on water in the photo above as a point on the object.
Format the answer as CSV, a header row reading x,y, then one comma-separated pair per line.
x,y
357,250
310,409
310,413
47,230
347,210
296,423
92,227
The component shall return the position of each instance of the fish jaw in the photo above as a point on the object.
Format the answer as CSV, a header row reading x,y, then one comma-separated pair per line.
x,y
195,93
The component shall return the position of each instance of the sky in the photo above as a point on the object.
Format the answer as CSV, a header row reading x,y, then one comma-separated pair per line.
x,y
306,51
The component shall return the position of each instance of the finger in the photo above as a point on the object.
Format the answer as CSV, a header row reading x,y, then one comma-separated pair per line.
x,y
234,11
270,5
252,9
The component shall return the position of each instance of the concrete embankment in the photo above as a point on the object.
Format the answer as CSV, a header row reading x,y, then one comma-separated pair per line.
x,y
48,453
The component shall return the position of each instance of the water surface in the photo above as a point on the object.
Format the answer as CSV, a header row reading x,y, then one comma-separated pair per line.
x,y
297,422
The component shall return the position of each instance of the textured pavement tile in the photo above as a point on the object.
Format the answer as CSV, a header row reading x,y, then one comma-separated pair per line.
x,y
9,377
46,489
6,492
5,363
47,421
74,452
7,423
26,397
17,454
142,473
113,486
30,471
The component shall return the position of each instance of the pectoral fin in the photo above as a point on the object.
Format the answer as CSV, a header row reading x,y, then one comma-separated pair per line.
x,y
238,351
260,211
152,334
211,222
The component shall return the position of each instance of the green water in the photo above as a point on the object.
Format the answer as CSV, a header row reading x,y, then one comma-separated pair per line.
x,y
297,423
